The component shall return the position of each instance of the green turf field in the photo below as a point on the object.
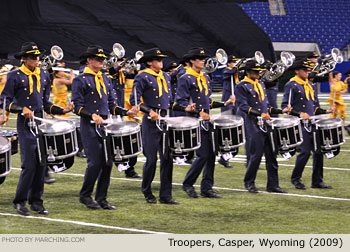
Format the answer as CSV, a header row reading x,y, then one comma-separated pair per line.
x,y
308,211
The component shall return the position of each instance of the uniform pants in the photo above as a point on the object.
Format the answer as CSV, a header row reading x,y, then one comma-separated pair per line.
x,y
205,161
152,140
305,149
97,168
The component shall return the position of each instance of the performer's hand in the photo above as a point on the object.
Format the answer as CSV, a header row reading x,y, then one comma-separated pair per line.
x,y
287,109
154,116
330,110
265,116
191,107
69,108
27,113
97,119
304,116
3,119
232,100
205,116
136,109
132,112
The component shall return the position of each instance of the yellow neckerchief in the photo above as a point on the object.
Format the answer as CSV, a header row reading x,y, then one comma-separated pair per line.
x,y
98,80
160,80
200,77
307,87
257,87
36,73
187,67
121,77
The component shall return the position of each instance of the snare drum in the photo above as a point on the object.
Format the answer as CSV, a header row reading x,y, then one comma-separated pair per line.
x,y
125,139
228,132
329,134
59,139
184,134
13,137
5,158
285,134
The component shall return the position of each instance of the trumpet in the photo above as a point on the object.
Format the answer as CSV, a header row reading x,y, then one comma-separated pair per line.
x,y
49,60
258,57
131,65
66,70
279,67
118,51
211,64
327,63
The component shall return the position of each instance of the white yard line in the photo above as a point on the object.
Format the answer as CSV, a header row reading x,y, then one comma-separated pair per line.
x,y
81,223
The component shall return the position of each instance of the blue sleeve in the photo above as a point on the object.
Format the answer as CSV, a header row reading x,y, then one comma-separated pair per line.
x,y
112,101
77,95
183,92
138,85
241,98
316,101
288,89
228,73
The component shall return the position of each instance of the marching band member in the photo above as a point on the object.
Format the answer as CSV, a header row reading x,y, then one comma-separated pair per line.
x,y
337,89
304,103
94,99
195,86
153,85
252,101
27,93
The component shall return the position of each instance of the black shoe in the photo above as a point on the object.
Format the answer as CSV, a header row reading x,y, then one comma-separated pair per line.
x,y
106,205
225,163
190,191
322,186
252,189
21,208
48,179
151,199
210,194
276,190
170,201
132,175
40,209
81,154
299,185
89,203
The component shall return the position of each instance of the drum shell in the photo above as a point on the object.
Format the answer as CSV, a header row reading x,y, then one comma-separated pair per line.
x,y
5,158
330,135
184,139
13,137
285,139
234,136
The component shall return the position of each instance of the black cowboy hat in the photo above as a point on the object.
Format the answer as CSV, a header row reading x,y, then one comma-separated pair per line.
x,y
252,65
29,48
195,53
312,55
347,71
232,58
170,66
151,54
93,51
301,64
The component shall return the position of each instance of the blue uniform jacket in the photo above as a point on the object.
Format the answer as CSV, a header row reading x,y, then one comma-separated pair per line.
x,y
188,89
298,98
146,85
85,95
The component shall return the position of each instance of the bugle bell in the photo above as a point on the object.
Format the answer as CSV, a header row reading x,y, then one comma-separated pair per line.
x,y
211,64
258,57
118,51
49,60
279,67
131,65
327,63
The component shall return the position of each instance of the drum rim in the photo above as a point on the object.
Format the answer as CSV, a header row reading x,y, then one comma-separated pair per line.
x,y
193,120
183,128
187,149
123,132
292,122
336,124
230,124
7,147
130,155
60,132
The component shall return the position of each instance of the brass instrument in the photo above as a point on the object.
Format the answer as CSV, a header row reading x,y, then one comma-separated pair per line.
x,y
258,57
327,63
132,65
211,64
118,51
279,67
48,61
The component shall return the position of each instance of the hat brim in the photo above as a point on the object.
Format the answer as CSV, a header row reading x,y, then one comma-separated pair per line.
x,y
21,54
144,59
196,56
86,55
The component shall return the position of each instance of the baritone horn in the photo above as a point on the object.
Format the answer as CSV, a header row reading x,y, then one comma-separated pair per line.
x,y
258,57
279,67
211,64
118,51
48,61
132,65
327,63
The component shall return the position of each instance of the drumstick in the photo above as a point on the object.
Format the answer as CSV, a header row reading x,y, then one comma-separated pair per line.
x,y
135,94
290,97
3,110
232,86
